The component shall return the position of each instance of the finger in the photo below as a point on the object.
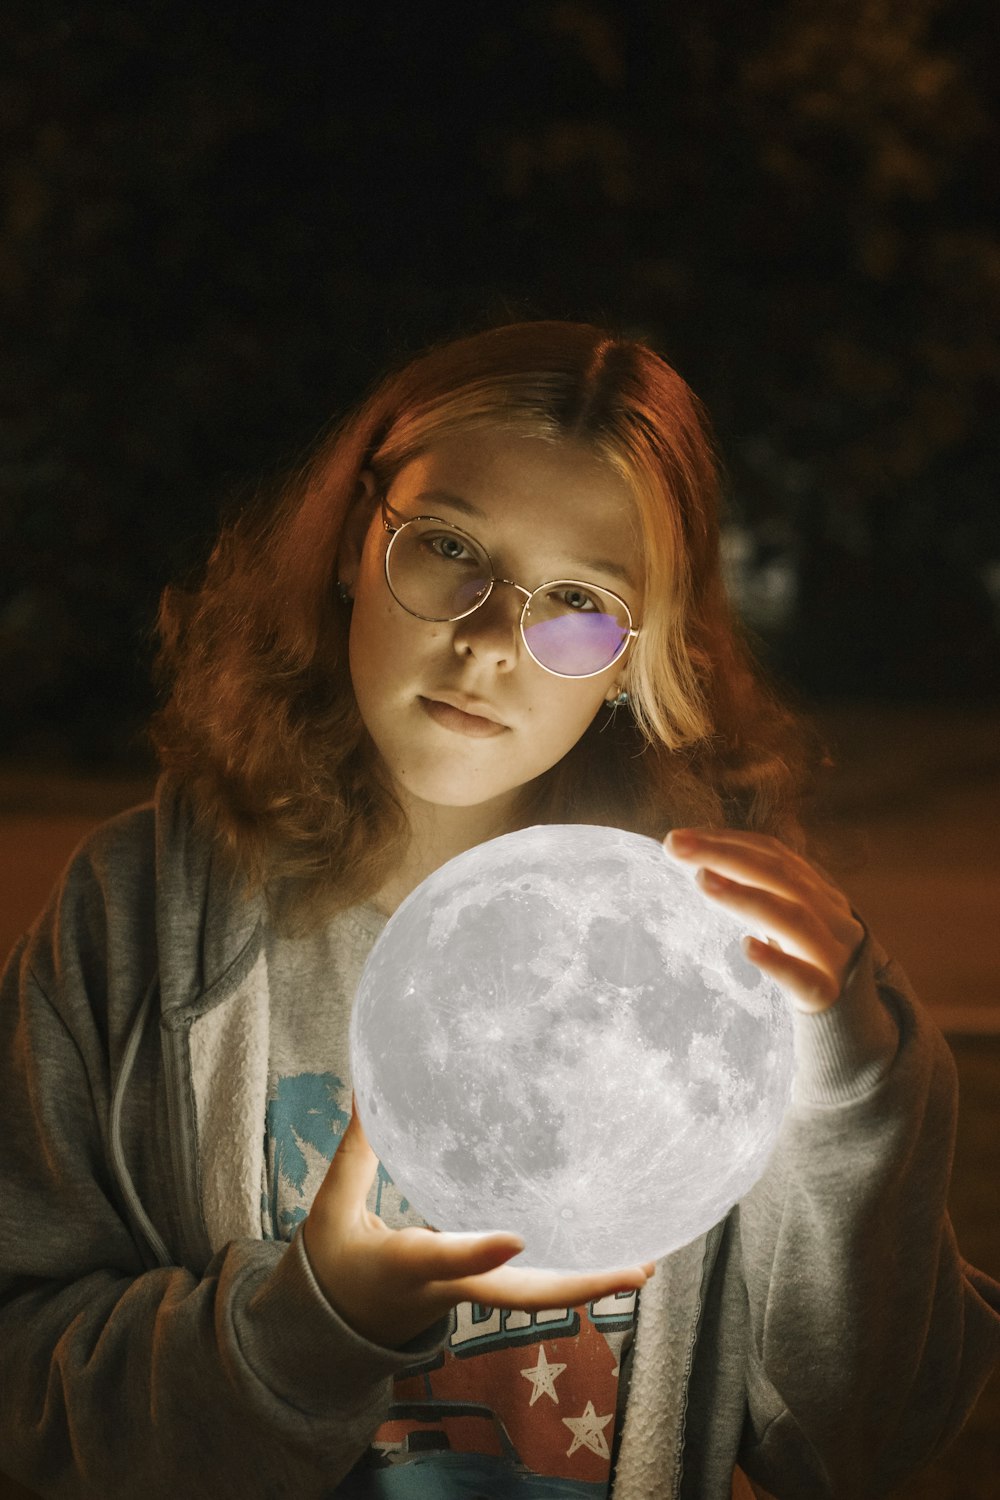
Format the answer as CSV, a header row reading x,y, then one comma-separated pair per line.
x,y
534,1290
818,936
798,926
683,839
352,1169
812,989
446,1256
751,859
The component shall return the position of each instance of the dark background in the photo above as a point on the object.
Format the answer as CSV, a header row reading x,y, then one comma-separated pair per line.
x,y
223,221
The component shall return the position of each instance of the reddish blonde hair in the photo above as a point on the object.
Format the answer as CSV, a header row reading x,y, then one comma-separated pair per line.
x,y
261,721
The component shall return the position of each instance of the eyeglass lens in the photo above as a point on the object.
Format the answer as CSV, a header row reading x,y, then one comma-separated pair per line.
x,y
442,574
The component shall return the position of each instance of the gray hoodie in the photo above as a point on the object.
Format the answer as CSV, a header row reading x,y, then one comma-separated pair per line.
x,y
825,1339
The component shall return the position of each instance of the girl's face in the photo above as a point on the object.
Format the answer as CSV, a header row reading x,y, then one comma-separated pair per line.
x,y
543,511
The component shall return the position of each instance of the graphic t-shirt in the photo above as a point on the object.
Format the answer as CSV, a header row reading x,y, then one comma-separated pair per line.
x,y
516,1404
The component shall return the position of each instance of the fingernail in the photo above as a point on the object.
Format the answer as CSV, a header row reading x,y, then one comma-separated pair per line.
x,y
680,841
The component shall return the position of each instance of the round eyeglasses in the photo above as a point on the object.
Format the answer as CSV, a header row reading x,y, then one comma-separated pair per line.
x,y
438,572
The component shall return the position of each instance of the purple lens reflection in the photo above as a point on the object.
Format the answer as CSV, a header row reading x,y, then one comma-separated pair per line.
x,y
468,594
576,644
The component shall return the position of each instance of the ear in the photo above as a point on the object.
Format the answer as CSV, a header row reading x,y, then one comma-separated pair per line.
x,y
355,529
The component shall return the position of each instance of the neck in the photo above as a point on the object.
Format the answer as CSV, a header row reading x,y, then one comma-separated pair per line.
x,y
438,834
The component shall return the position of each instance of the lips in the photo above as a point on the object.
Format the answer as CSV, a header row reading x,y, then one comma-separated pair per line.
x,y
467,705
458,721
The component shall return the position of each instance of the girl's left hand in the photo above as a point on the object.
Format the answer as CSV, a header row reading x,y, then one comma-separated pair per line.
x,y
813,936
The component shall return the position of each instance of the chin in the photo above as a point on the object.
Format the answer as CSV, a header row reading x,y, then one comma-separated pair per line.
x,y
450,795
445,783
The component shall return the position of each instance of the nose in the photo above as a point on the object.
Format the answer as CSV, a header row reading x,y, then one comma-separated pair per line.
x,y
493,630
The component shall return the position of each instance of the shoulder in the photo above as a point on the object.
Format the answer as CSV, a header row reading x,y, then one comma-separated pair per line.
x,y
144,899
122,859
114,853
105,868
102,913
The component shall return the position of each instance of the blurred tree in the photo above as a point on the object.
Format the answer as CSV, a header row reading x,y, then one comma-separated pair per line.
x,y
865,124
793,200
102,255
221,224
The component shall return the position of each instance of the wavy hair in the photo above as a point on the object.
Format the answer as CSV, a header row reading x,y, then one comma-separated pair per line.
x,y
260,719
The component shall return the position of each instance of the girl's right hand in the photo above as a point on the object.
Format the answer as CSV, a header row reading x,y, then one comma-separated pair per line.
x,y
391,1284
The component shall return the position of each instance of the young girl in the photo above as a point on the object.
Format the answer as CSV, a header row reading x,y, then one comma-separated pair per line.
x,y
493,600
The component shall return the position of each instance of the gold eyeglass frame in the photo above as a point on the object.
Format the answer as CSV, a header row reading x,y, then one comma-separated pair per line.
x,y
394,531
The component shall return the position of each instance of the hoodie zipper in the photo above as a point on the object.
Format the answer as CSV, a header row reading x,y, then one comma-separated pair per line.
x,y
183,1148
119,1165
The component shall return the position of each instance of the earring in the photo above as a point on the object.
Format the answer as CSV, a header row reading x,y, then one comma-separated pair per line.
x,y
345,597
618,702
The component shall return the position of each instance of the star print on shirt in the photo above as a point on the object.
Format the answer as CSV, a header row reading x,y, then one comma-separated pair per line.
x,y
542,1375
588,1431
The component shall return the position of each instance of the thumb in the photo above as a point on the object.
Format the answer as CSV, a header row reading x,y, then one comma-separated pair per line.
x,y
352,1169
449,1255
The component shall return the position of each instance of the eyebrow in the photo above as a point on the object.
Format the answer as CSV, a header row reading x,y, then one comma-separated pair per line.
x,y
594,565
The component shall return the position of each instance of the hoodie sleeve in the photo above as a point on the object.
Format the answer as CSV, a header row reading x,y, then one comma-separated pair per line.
x,y
870,1337
119,1378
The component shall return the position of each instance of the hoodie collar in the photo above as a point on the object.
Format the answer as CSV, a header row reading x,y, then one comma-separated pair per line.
x,y
209,929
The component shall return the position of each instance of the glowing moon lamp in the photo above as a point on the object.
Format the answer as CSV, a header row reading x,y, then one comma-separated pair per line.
x,y
557,1034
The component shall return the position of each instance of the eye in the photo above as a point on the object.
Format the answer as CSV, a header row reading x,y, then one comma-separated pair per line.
x,y
577,601
430,542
